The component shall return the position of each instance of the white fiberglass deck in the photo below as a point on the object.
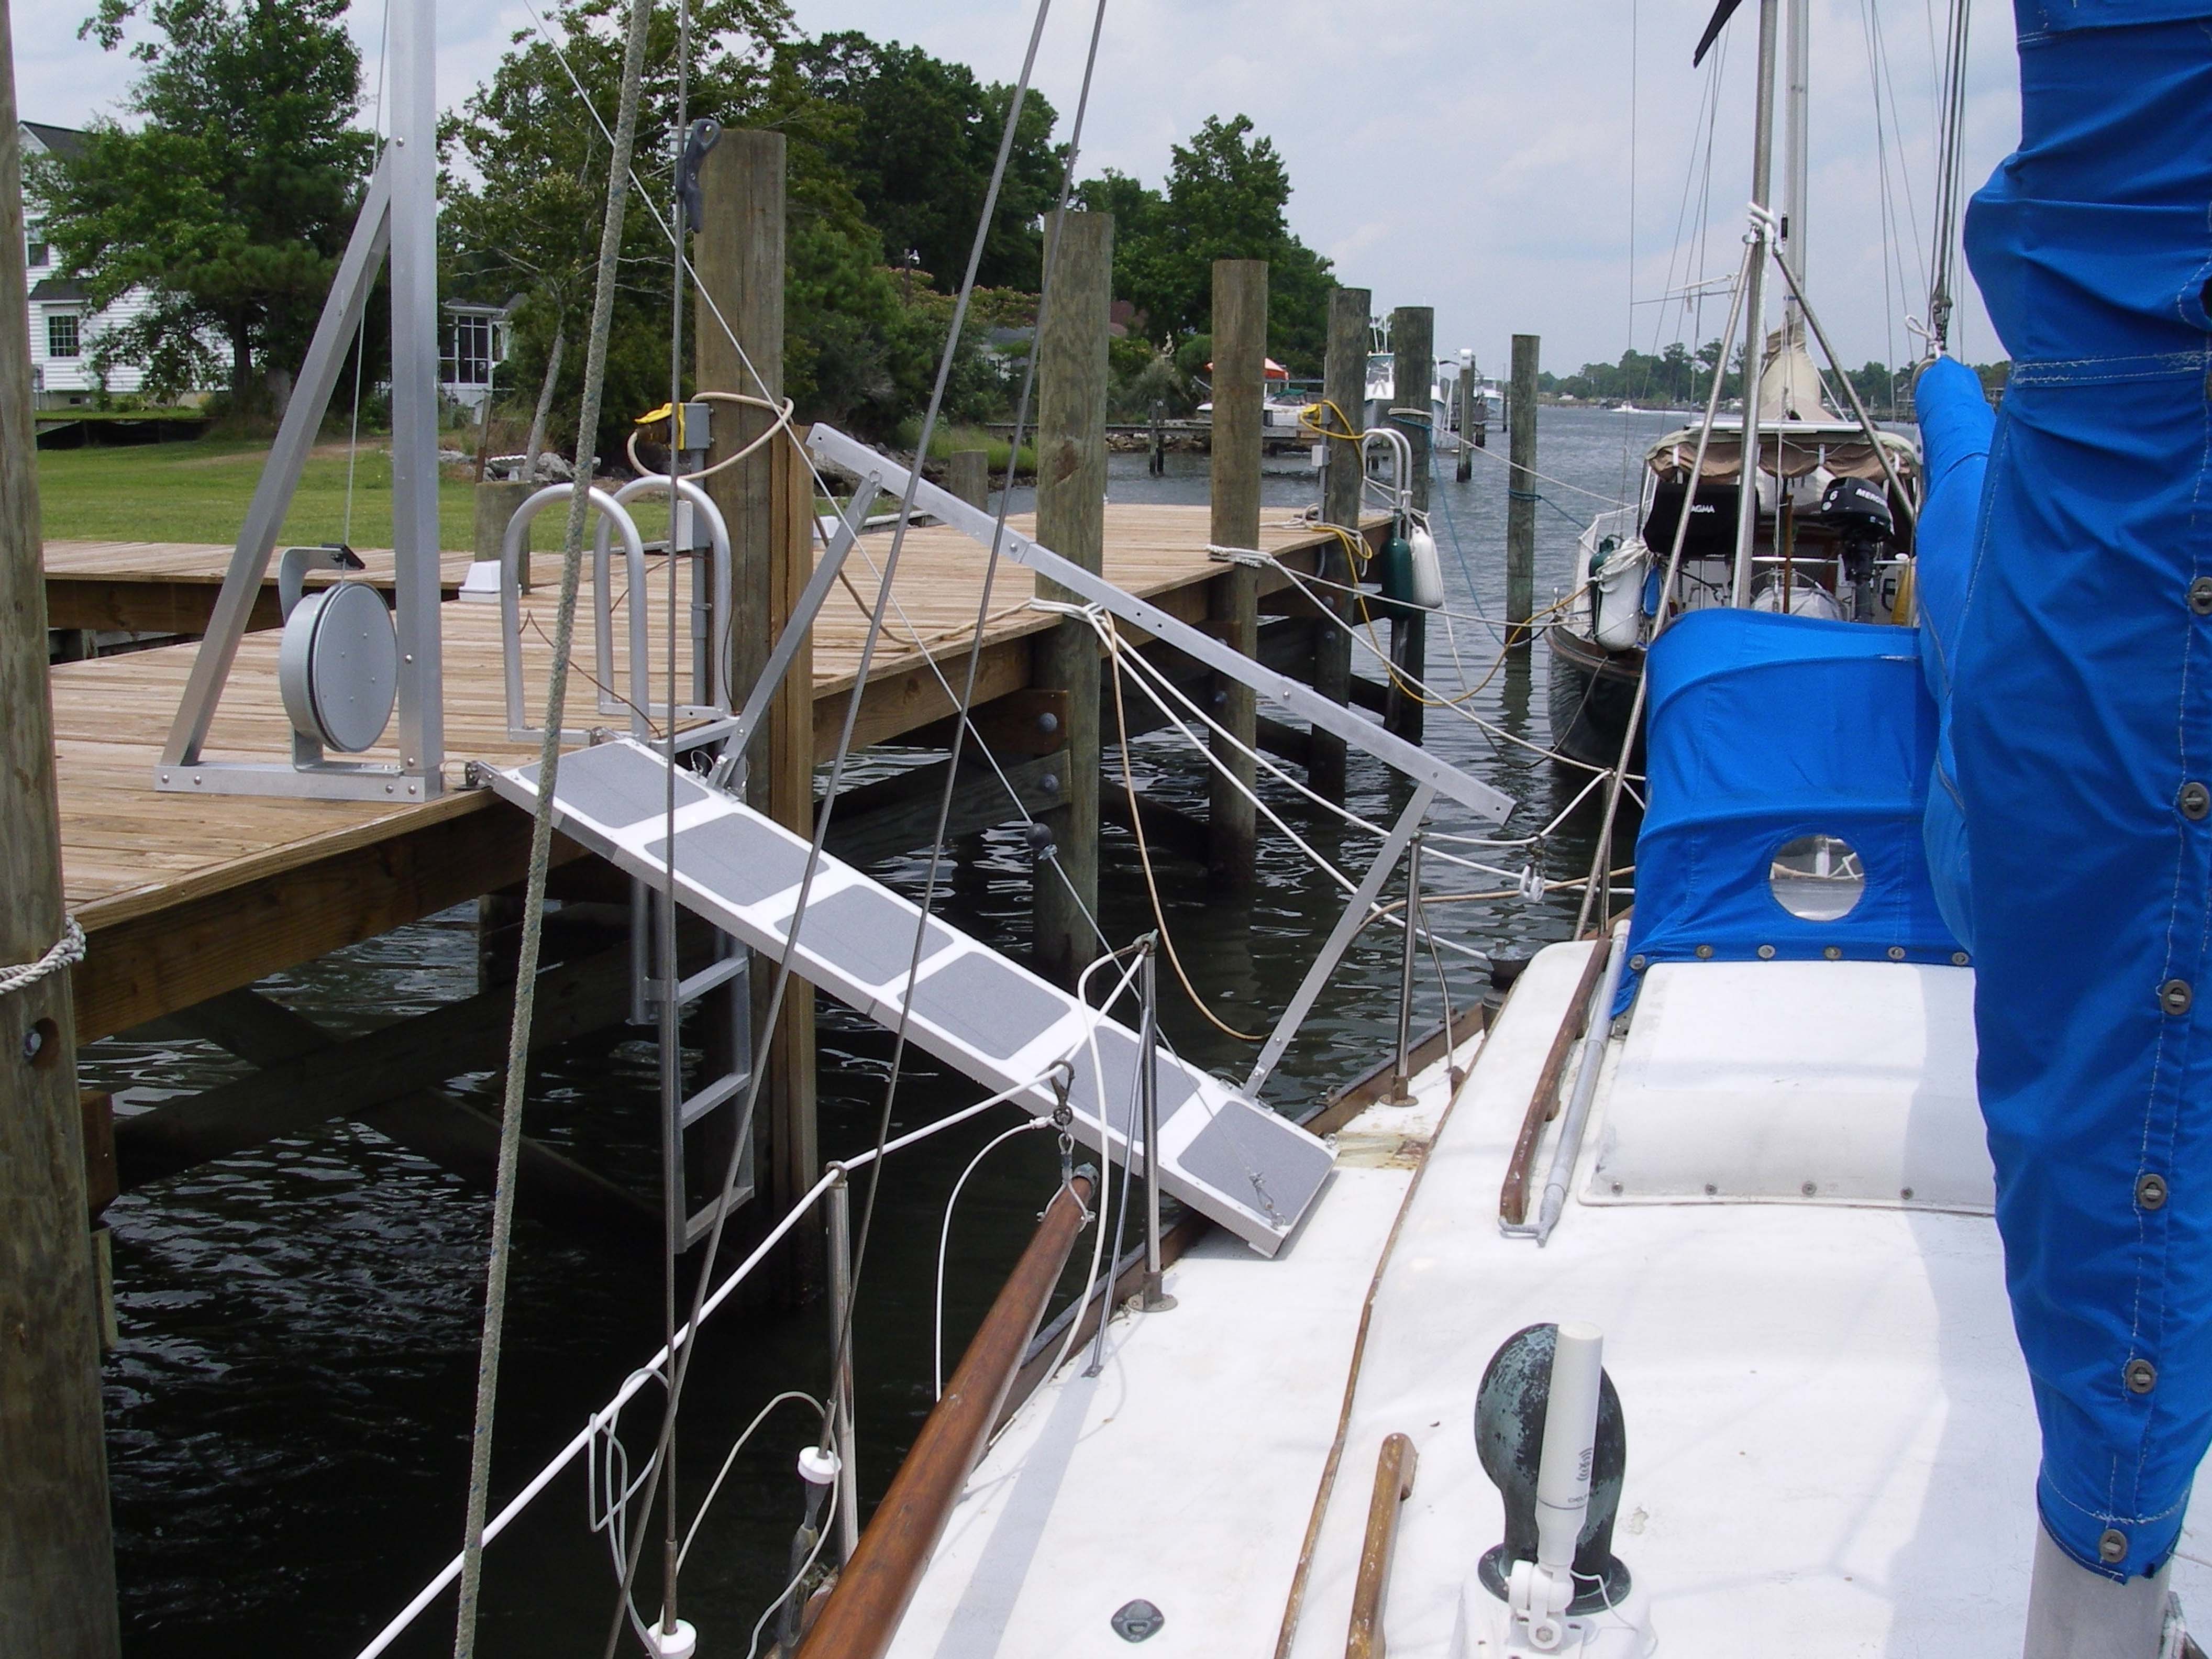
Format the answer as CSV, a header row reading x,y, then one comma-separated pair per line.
x,y
1229,1158
1831,1445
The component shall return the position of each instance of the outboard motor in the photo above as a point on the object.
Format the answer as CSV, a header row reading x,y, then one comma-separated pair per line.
x,y
1548,1428
1857,509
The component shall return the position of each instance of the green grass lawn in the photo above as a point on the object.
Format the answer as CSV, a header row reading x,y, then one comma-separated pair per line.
x,y
198,491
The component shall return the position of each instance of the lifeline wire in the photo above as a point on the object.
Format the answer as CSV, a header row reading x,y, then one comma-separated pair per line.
x,y
541,844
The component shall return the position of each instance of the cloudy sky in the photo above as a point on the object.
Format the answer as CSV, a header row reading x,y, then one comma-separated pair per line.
x,y
1522,167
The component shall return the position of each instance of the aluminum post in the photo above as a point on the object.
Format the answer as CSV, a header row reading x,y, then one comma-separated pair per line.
x,y
1155,1300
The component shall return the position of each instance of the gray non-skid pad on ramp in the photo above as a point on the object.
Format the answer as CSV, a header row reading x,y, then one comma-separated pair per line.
x,y
740,858
867,933
616,785
988,1004
1117,1063
1258,1160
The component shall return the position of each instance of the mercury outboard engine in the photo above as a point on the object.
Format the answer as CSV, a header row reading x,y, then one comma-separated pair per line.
x,y
1857,509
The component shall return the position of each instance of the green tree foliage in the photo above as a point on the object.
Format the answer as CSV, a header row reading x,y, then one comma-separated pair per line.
x,y
916,144
232,200
1226,198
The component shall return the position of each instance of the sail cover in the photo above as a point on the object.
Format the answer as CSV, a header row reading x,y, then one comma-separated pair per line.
x,y
1955,422
2082,725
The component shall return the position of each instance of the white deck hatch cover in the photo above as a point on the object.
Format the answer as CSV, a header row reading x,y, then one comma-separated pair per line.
x,y
1820,1082
1233,1161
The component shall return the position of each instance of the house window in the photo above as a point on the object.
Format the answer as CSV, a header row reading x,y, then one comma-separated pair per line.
x,y
473,356
34,245
62,338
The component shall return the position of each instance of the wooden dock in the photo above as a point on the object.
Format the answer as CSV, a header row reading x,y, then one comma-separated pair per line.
x,y
183,899
170,587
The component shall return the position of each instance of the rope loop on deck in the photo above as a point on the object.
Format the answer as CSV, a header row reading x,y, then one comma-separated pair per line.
x,y
65,951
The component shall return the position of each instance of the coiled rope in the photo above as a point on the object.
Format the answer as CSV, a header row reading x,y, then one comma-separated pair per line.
x,y
67,950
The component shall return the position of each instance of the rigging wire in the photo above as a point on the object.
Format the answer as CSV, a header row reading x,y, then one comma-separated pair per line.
x,y
541,843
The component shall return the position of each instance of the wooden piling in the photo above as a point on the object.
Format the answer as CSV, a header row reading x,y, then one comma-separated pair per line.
x,y
1413,341
1343,387
57,1552
1240,364
768,501
1464,468
968,474
1521,498
1071,517
495,502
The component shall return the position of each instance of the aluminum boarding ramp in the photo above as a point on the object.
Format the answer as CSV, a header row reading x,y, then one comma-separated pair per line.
x,y
1230,1158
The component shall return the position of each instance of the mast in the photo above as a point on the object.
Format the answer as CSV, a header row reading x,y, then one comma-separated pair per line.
x,y
1796,146
1754,327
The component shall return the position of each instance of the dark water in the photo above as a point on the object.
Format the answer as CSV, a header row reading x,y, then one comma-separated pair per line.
x,y
289,1411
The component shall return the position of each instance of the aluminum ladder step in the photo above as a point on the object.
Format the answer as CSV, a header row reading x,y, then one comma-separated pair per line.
x,y
1222,1153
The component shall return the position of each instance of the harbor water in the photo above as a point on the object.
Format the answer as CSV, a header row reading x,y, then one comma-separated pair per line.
x,y
289,1413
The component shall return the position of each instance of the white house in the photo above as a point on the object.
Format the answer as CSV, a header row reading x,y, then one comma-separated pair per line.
x,y
472,343
62,326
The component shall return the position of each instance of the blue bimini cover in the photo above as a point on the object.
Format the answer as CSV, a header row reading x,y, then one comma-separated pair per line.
x,y
1955,424
2081,728
1764,730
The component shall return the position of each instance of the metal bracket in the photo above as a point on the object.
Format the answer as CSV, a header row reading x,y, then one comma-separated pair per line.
x,y
1340,937
399,217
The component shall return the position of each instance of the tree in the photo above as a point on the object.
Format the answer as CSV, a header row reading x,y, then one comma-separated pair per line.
x,y
917,146
231,203
1225,198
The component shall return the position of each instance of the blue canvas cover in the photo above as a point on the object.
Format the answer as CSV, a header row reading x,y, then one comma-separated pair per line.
x,y
1956,424
1764,728
2081,707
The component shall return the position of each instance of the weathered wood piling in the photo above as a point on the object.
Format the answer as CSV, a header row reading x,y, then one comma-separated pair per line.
x,y
57,1552
1344,392
1413,346
1521,498
1071,439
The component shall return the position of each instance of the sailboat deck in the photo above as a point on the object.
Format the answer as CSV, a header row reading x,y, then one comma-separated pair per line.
x,y
182,897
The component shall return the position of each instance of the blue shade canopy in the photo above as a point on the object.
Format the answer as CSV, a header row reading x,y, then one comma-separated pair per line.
x,y
1766,729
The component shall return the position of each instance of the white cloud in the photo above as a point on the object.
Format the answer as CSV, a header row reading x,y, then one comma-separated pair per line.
x,y
1466,154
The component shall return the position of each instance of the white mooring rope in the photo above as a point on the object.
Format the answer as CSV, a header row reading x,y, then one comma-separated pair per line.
x,y
65,950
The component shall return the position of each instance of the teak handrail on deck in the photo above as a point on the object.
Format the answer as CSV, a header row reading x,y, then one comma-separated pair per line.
x,y
863,1612
1394,1485
1544,1100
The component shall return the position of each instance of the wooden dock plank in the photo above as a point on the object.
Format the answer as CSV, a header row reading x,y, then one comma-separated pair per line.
x,y
185,896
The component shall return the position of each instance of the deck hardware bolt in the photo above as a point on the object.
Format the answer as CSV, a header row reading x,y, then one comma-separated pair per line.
x,y
2175,996
1766,953
2200,596
1049,783
2196,800
390,789
1637,964
2111,1545
1047,722
1705,953
1809,1188
1135,1621
1616,1189
2142,1375
1960,959
1897,953
1712,1190
2151,1191
34,1041
1906,1195
1833,952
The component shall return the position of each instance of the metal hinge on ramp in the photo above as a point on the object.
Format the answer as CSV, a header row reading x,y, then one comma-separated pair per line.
x,y
1226,1156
